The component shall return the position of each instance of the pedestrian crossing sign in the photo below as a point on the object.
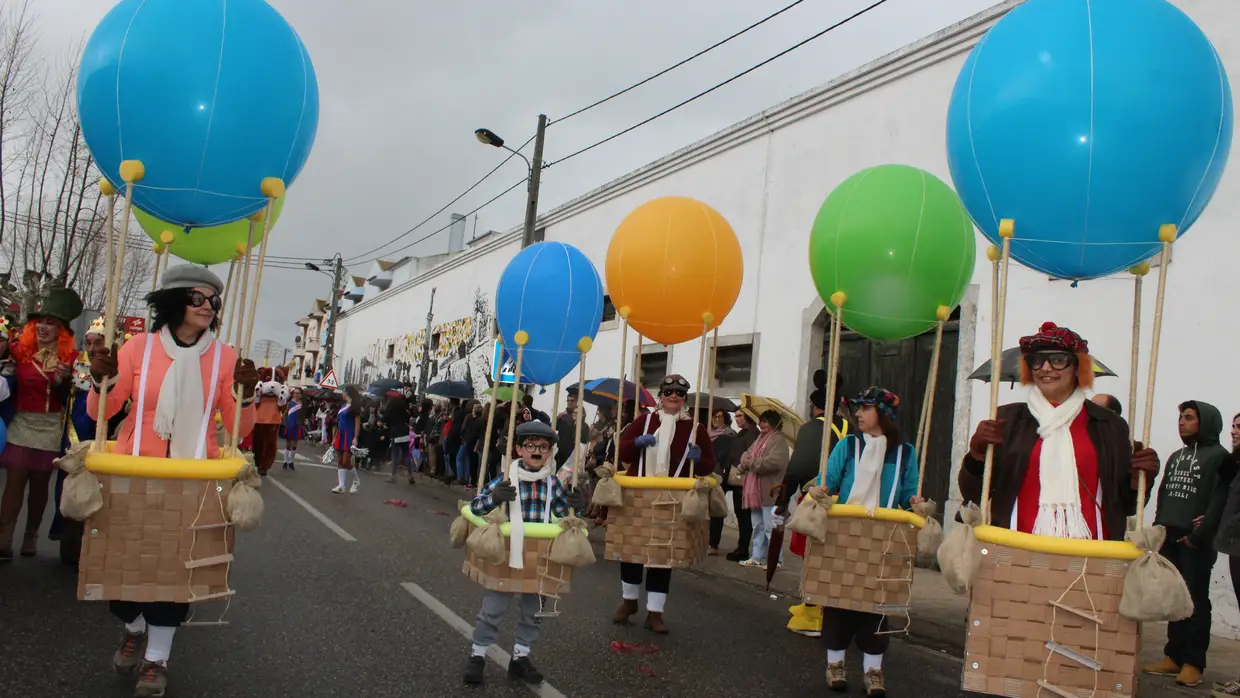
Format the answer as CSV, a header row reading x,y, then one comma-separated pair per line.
x,y
329,381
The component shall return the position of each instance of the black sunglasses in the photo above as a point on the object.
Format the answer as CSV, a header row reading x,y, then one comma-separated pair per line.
x,y
668,392
1058,360
197,298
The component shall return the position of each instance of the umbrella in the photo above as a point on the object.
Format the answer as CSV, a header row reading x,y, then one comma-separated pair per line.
x,y
610,388
505,393
721,403
451,389
754,405
776,544
1009,369
385,384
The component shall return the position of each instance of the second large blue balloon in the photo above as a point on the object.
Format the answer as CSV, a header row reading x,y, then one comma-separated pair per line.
x,y
1090,123
211,95
553,292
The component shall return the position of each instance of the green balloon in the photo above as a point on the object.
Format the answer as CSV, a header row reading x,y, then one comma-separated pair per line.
x,y
897,242
214,245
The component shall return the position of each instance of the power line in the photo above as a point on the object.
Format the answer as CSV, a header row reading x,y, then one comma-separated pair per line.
x,y
705,92
670,68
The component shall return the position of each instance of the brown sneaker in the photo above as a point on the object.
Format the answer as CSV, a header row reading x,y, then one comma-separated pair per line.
x,y
1189,676
1164,668
152,680
654,622
837,677
129,654
627,608
873,683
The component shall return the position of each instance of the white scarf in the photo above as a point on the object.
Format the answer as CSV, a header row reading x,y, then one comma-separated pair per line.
x,y
179,411
663,443
517,474
1059,499
868,478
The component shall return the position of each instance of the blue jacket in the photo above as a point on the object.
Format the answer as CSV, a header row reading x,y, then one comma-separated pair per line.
x,y
841,470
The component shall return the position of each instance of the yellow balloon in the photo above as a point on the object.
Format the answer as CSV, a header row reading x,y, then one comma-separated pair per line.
x,y
675,266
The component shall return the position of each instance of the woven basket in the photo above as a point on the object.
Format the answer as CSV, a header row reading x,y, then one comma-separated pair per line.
x,y
1027,638
649,530
141,547
539,576
866,565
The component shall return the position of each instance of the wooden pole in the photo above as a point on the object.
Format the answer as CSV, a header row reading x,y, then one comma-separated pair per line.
x,y
1167,235
1007,228
707,319
624,340
927,408
833,365
1138,277
584,345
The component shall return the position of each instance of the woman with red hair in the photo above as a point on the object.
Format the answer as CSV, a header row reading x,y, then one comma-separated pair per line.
x,y
44,354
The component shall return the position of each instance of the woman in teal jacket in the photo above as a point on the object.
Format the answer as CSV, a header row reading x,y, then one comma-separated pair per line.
x,y
873,467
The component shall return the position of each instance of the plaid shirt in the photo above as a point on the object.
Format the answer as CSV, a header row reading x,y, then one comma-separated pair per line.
x,y
533,498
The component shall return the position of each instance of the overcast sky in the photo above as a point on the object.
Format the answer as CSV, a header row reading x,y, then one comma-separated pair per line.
x,y
403,84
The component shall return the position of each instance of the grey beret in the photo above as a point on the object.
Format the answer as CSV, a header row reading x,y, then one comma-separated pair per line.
x,y
190,276
535,427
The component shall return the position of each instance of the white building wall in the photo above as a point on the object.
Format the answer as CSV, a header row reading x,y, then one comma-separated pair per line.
x,y
768,176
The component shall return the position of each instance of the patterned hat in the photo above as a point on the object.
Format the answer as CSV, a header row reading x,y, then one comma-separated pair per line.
x,y
96,327
1052,336
884,401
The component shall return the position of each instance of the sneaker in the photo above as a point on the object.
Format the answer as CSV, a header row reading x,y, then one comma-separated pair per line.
x,y
737,555
152,680
354,486
752,563
1166,667
129,654
837,677
1226,690
873,683
337,490
520,669
475,670
292,465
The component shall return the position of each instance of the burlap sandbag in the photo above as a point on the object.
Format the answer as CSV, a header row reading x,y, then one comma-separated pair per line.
x,y
810,518
931,535
487,542
245,505
1154,590
82,496
695,505
572,547
961,554
459,532
607,492
717,502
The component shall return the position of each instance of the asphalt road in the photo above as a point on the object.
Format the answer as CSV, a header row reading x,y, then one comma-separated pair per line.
x,y
345,604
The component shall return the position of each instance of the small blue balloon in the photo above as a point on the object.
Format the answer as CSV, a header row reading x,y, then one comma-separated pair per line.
x,y
1091,124
551,291
211,95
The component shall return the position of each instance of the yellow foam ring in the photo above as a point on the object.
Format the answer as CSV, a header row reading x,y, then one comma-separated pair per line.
x,y
993,253
106,188
1068,547
1007,228
856,511
539,531
132,170
838,298
1167,232
167,237
585,344
521,338
272,187
943,313
164,468
1140,270
658,483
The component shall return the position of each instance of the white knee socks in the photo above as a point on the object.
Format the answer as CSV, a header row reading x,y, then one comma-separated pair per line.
x,y
655,601
159,643
872,662
519,651
136,627
630,592
342,476
835,656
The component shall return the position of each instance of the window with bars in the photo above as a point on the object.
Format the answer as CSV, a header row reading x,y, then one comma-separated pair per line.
x,y
609,310
734,367
655,360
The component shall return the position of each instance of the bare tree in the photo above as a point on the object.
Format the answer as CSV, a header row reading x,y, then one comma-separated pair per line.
x,y
17,81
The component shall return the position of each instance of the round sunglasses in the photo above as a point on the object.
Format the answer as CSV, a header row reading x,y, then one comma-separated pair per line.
x,y
1058,360
198,298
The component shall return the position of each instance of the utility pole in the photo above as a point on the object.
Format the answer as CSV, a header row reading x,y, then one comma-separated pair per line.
x,y
426,350
531,201
337,284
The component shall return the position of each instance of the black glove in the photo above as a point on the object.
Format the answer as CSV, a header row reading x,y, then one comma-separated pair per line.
x,y
504,492
576,500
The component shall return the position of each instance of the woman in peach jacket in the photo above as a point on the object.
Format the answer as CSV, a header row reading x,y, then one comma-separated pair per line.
x,y
177,376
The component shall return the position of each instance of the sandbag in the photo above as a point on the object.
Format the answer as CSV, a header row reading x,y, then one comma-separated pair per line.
x,y
931,535
810,518
459,532
717,501
572,547
960,554
695,505
607,492
487,542
245,505
82,496
1154,590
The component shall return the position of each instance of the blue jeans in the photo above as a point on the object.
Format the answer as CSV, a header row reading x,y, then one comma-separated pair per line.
x,y
463,464
763,523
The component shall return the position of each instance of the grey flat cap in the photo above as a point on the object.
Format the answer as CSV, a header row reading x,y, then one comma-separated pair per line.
x,y
535,428
190,276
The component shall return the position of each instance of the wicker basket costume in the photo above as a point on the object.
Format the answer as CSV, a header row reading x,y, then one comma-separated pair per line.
x,y
539,576
1046,624
649,529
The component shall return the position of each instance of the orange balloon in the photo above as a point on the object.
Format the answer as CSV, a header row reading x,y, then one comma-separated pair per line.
x,y
674,265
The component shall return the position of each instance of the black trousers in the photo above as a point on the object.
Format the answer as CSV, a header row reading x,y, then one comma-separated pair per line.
x,y
658,579
160,613
1188,640
841,628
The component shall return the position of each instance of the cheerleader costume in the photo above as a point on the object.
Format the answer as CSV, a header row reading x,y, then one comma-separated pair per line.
x,y
292,428
345,430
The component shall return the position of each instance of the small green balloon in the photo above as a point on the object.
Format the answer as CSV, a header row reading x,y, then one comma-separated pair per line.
x,y
213,245
897,242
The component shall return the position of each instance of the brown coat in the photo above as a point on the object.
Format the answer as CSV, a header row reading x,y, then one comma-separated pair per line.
x,y
1107,431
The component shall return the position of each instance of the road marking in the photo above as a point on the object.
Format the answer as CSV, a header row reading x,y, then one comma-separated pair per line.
x,y
494,653
335,528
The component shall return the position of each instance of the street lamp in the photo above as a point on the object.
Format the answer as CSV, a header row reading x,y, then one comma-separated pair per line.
x,y
486,136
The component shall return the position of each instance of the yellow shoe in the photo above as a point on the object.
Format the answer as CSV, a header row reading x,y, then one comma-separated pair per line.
x,y
1189,676
1166,667
797,609
808,622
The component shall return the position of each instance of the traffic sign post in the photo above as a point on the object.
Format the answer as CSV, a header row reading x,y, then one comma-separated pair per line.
x,y
329,381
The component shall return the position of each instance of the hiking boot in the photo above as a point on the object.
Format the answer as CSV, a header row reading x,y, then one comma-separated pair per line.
x,y
152,680
520,669
129,654
1166,667
475,670
837,677
654,622
807,622
30,543
1189,676
873,683
627,608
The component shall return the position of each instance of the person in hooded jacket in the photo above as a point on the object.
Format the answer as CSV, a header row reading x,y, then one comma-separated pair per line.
x,y
1191,500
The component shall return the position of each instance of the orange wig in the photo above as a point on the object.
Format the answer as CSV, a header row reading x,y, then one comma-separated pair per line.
x,y
27,345
1084,371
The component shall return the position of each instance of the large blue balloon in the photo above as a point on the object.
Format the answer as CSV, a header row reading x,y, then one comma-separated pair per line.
x,y
552,292
211,95
1090,123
